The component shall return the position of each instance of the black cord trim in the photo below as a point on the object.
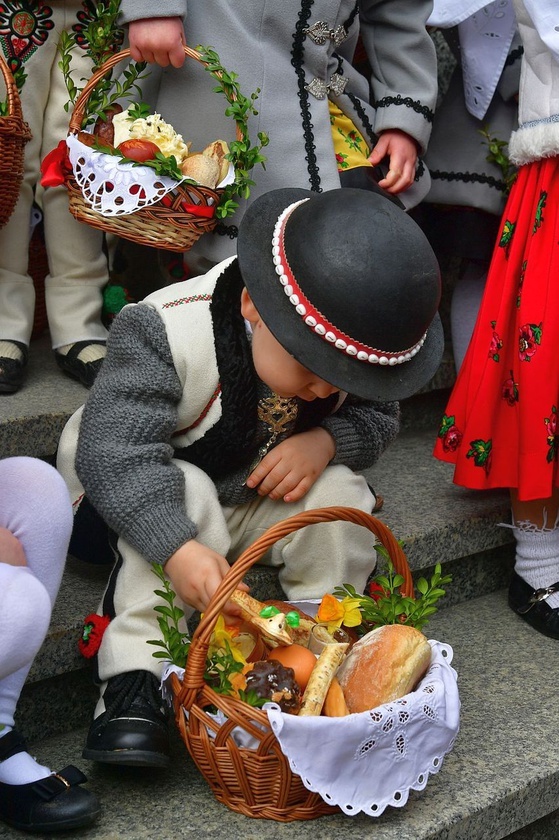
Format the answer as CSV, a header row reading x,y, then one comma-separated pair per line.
x,y
297,53
468,178
408,102
514,56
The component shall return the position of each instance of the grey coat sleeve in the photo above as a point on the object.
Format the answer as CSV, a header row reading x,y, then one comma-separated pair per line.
x,y
124,449
139,9
362,431
403,62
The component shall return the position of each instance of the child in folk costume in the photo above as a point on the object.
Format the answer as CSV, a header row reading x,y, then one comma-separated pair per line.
x,y
462,211
234,399
500,423
321,114
35,526
78,272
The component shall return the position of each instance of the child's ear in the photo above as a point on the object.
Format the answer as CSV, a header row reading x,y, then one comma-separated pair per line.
x,y
248,309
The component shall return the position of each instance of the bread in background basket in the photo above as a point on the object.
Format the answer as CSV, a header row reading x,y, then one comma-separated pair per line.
x,y
375,757
153,201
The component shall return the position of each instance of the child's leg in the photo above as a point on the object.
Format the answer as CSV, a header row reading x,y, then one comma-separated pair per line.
x,y
313,560
129,726
35,525
464,307
78,271
534,591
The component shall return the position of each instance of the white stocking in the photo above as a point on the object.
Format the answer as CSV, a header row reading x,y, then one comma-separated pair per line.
x,y
537,557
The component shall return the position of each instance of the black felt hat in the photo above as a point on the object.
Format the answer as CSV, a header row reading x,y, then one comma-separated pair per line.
x,y
348,284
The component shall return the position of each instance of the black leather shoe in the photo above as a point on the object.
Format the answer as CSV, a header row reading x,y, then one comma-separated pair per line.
x,y
12,371
530,605
52,804
84,372
134,728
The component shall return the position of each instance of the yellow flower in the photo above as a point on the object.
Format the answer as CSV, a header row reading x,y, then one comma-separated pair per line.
x,y
223,639
334,613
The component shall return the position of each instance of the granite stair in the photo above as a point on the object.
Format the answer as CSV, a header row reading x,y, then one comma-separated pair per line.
x,y
502,778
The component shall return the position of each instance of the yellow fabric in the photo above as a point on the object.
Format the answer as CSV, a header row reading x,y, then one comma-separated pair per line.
x,y
349,144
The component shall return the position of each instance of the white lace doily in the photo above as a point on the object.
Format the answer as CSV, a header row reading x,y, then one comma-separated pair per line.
x,y
114,188
365,762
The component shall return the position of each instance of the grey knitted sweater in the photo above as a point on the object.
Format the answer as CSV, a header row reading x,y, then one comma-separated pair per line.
x,y
128,433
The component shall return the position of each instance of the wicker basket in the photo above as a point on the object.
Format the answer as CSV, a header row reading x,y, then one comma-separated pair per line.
x,y
167,227
256,782
14,134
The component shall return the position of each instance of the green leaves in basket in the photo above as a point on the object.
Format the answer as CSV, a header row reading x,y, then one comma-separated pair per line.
x,y
242,153
20,76
176,642
100,37
224,659
386,604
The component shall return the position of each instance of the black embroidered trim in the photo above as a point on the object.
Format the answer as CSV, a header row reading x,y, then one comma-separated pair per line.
x,y
514,56
408,102
363,116
232,231
351,18
468,178
297,55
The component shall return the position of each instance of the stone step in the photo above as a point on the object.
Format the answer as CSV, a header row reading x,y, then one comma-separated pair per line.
x,y
436,521
501,780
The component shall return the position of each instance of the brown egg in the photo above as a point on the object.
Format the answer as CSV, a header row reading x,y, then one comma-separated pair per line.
x,y
300,658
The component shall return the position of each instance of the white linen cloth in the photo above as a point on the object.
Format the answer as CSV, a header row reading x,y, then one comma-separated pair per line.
x,y
365,762
486,31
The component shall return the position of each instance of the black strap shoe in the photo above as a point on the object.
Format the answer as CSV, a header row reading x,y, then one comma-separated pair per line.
x,y
84,372
530,604
55,803
12,371
133,729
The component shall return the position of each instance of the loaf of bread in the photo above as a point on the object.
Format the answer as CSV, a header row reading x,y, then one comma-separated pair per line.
x,y
385,664
202,169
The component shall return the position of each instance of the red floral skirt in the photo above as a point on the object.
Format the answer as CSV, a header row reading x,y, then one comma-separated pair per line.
x,y
500,424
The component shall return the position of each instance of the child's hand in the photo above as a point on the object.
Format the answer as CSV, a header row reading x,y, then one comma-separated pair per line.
x,y
195,571
402,151
157,41
293,466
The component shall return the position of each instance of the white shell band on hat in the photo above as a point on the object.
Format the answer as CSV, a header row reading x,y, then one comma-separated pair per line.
x,y
315,320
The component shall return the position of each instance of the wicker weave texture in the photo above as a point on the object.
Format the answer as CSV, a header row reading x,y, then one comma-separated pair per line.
x,y
256,782
14,134
169,228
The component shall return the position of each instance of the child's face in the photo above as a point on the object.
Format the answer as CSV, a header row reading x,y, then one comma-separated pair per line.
x,y
275,366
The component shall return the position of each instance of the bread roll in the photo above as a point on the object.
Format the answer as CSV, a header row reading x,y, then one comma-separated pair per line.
x,y
385,664
217,151
202,169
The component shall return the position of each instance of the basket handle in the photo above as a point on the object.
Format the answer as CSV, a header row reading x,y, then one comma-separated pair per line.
x,y
195,666
80,104
14,102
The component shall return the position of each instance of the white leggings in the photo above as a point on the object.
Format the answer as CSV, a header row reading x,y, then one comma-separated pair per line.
x,y
35,507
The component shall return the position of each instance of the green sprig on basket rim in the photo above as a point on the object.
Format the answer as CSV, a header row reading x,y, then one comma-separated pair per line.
x,y
386,605
242,154
175,645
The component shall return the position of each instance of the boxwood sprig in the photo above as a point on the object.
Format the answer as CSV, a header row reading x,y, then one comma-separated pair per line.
x,y
242,153
388,606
